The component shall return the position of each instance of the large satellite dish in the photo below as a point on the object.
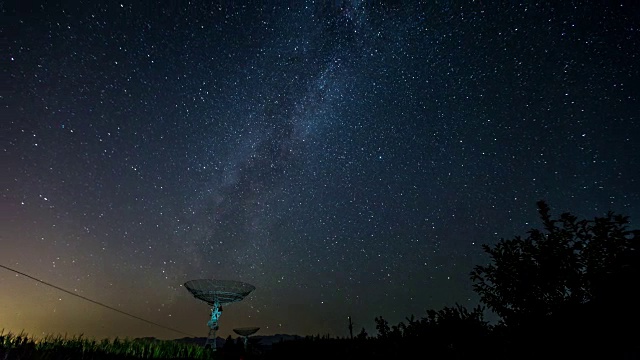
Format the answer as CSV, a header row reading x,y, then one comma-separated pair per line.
x,y
217,293
245,333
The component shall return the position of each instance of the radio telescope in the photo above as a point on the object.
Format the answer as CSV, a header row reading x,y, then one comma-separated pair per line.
x,y
217,293
246,332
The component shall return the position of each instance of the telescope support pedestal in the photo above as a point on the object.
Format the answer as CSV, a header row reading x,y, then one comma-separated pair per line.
x,y
216,311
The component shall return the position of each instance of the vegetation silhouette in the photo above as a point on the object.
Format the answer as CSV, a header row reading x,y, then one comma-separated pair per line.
x,y
575,277
567,290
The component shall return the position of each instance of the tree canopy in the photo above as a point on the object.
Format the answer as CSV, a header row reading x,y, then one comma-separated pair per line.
x,y
568,263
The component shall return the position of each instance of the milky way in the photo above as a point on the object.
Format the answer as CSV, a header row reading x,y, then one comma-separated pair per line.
x,y
347,159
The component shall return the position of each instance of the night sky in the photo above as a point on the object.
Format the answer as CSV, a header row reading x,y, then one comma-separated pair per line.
x,y
348,158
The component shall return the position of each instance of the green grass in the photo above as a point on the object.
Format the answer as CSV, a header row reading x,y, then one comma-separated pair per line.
x,y
22,346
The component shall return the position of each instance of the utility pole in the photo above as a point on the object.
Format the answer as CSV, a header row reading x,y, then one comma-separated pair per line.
x,y
350,328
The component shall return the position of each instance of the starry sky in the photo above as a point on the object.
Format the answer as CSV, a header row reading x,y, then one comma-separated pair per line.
x,y
348,158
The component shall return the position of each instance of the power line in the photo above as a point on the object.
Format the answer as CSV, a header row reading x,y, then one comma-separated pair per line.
x,y
95,302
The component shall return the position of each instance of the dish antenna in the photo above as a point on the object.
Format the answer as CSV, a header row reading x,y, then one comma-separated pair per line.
x,y
246,332
217,293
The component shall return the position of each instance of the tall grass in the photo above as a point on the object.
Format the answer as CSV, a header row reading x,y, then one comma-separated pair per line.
x,y
22,346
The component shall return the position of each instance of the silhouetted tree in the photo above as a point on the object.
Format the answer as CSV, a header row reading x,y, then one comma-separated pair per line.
x,y
564,276
397,331
565,264
382,326
362,335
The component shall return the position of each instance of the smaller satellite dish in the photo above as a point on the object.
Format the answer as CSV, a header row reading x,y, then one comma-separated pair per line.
x,y
246,332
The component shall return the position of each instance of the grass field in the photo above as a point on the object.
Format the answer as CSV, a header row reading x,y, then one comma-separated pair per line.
x,y
22,346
